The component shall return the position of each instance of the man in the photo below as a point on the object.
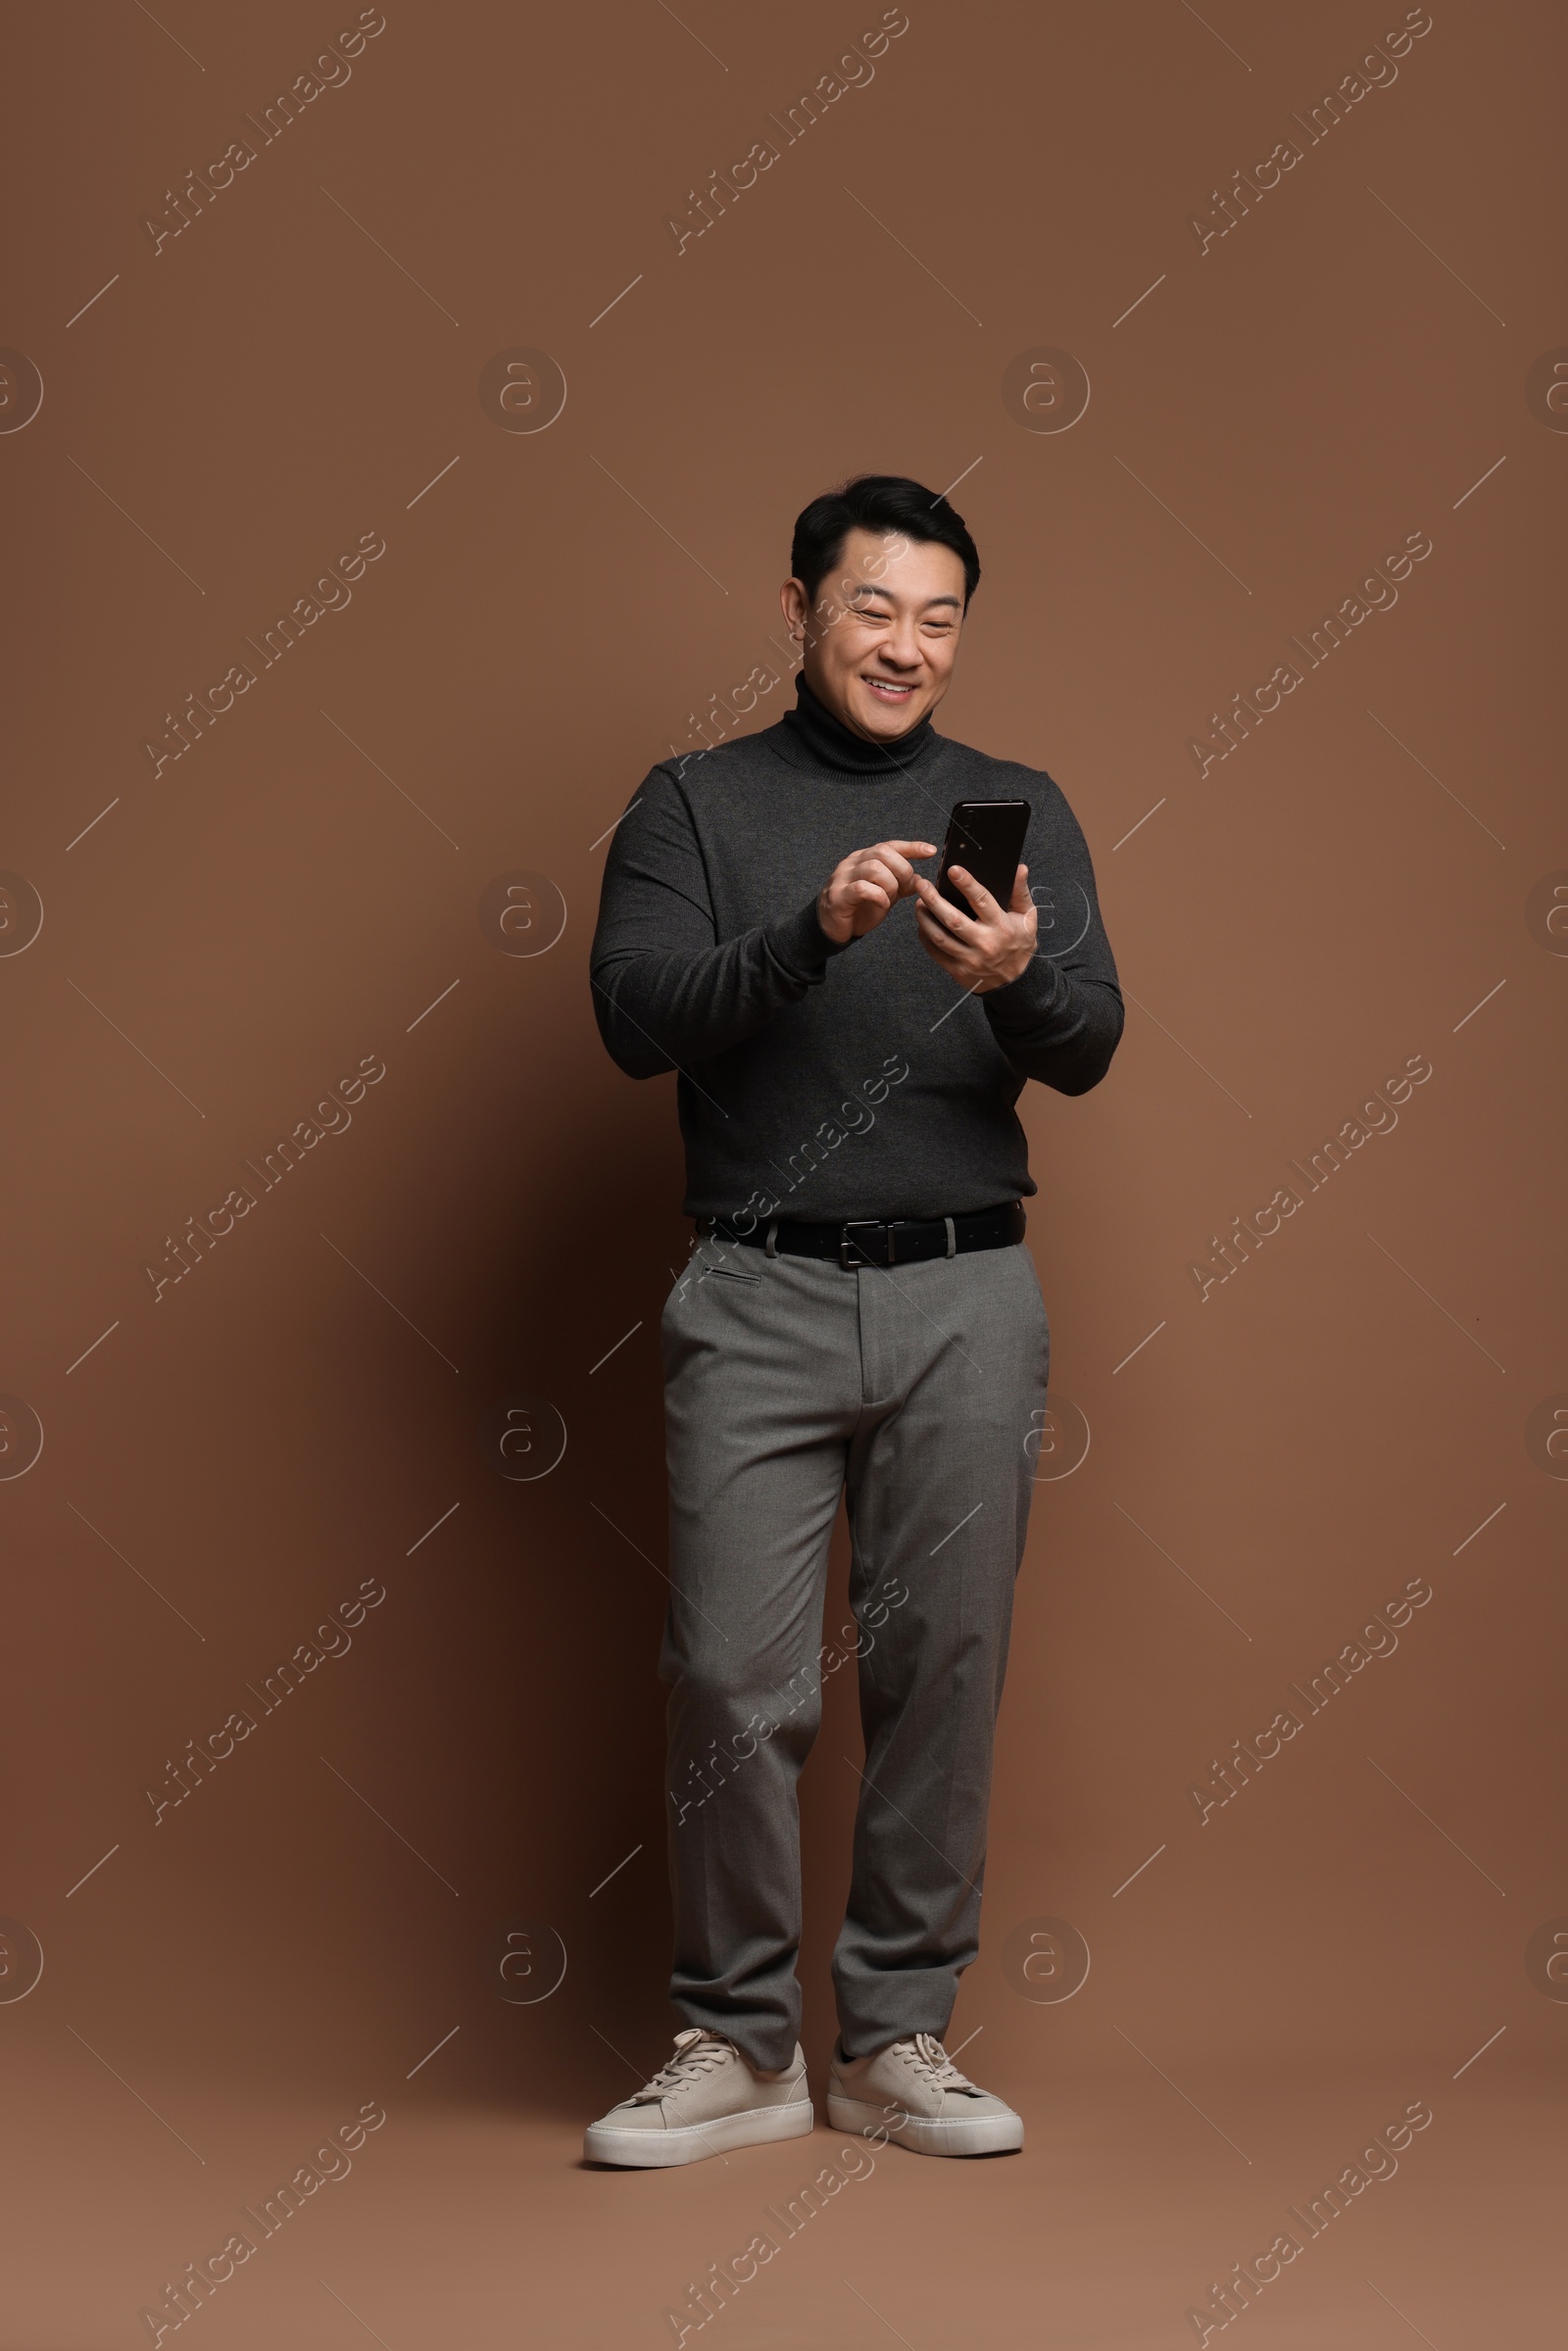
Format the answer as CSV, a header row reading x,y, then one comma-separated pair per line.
x,y
858,1317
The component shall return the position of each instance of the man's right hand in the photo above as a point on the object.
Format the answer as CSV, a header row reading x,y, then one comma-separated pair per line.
x,y
867,886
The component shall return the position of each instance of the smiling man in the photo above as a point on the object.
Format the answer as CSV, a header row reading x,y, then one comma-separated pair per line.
x,y
857,1318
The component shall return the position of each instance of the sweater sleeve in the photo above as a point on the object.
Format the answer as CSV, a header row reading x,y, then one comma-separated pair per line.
x,y
1062,1020
668,990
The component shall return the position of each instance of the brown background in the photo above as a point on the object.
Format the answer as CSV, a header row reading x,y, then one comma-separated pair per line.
x,y
232,936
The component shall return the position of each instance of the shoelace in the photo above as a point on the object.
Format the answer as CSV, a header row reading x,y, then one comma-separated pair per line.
x,y
930,2058
696,2052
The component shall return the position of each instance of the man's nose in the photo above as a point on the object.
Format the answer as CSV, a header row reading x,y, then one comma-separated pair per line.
x,y
903,649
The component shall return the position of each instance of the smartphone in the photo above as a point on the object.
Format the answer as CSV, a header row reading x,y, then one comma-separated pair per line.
x,y
986,838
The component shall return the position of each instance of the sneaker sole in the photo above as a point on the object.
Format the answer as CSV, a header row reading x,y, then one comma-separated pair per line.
x,y
924,2135
693,2142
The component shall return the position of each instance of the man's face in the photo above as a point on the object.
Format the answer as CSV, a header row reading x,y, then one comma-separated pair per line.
x,y
882,632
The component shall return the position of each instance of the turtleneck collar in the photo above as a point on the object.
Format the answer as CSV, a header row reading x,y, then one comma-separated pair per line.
x,y
814,738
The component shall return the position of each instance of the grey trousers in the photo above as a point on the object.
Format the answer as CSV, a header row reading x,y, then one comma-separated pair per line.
x,y
911,1390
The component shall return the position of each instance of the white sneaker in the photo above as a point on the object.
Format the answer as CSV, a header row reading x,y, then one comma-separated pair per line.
x,y
916,2094
707,2099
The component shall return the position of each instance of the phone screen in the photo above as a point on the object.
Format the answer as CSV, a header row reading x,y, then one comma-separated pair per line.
x,y
986,838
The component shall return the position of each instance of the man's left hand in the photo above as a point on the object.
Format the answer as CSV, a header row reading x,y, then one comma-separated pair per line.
x,y
988,951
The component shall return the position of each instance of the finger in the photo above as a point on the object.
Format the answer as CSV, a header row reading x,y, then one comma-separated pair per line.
x,y
960,918
886,877
952,917
942,944
910,849
944,954
1021,899
937,910
976,893
887,861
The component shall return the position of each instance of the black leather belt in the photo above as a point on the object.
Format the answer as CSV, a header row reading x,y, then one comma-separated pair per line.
x,y
878,1241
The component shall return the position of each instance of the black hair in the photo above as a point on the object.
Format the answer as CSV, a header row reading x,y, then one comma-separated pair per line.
x,y
882,503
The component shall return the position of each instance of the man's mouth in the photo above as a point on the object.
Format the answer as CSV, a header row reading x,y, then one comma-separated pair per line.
x,y
887,688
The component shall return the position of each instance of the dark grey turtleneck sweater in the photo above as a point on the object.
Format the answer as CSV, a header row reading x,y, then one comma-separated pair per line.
x,y
818,1082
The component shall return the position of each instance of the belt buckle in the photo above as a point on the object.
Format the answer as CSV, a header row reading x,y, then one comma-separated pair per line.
x,y
847,1241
